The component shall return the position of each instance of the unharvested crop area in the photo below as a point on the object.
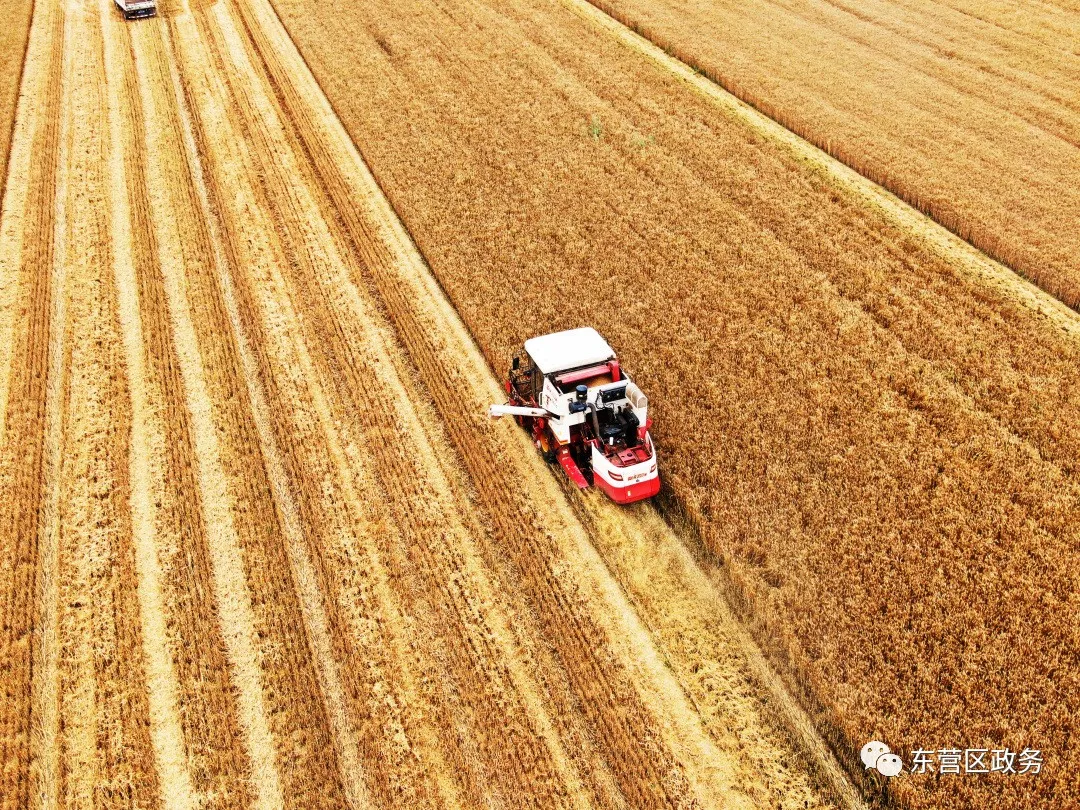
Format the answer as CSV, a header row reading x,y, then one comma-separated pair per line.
x,y
967,109
262,548
878,446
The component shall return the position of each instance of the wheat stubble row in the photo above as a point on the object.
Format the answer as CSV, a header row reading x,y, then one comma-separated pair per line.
x,y
265,549
877,445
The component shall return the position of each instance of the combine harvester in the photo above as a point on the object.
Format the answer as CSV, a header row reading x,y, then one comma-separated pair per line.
x,y
134,9
581,410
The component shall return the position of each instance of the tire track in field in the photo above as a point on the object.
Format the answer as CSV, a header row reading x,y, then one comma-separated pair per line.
x,y
331,680
219,767
289,681
170,501
30,129
231,590
321,624
101,741
106,713
316,620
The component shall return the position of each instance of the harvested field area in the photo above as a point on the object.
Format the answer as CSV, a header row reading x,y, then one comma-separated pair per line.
x,y
876,444
262,546
968,110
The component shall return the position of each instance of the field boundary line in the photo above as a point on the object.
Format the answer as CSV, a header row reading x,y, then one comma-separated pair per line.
x,y
958,252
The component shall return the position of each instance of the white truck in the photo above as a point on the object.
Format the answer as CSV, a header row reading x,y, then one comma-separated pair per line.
x,y
134,9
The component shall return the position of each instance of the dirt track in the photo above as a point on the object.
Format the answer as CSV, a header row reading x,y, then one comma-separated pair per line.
x,y
265,549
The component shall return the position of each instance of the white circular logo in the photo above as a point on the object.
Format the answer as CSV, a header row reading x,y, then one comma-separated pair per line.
x,y
876,755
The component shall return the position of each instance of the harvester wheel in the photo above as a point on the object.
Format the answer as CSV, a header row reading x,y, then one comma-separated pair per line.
x,y
550,456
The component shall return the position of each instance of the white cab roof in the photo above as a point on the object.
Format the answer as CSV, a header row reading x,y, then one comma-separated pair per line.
x,y
570,349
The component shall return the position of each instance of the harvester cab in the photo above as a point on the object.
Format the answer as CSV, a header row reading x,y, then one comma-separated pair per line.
x,y
569,392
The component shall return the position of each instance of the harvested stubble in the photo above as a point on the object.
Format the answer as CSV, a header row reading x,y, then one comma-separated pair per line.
x,y
965,109
877,445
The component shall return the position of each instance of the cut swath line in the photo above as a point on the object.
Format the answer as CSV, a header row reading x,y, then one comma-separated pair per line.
x,y
166,730
942,241
48,686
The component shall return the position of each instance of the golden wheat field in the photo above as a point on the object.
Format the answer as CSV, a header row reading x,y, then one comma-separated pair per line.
x,y
262,546
262,265
873,427
967,109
